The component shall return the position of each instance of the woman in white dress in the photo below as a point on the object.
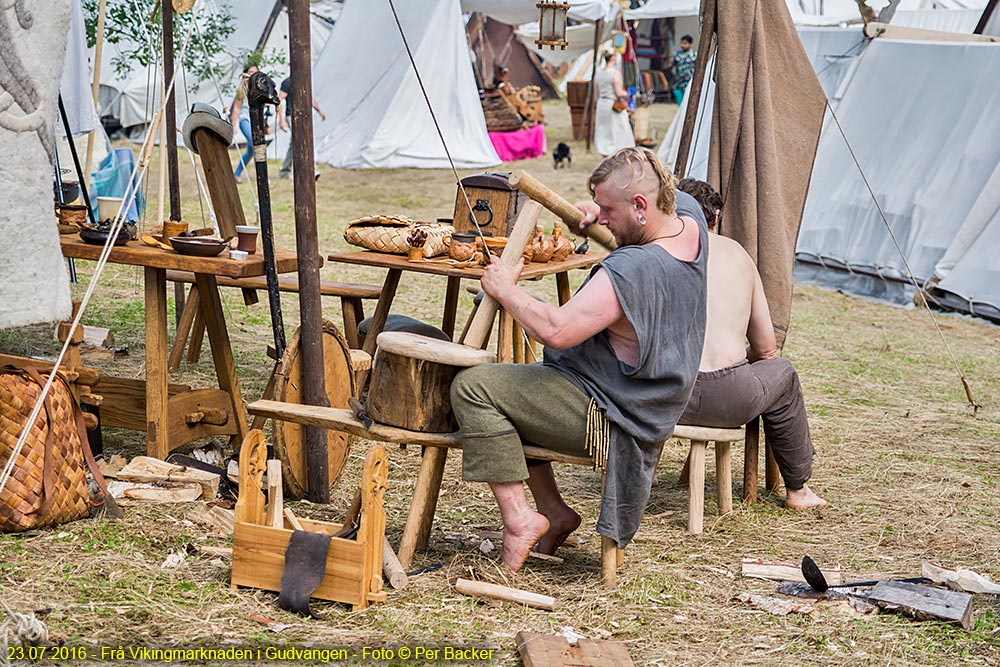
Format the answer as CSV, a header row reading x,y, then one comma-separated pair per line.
x,y
612,131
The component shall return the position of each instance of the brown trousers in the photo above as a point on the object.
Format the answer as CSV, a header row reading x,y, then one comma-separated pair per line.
x,y
731,397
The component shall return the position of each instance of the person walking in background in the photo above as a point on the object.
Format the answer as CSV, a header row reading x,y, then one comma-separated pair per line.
x,y
612,131
240,117
285,121
683,66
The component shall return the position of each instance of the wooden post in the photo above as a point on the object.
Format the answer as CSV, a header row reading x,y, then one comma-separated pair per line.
x,y
102,11
307,245
697,81
591,108
170,132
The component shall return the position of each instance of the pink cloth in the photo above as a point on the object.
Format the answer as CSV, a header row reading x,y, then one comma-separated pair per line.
x,y
520,144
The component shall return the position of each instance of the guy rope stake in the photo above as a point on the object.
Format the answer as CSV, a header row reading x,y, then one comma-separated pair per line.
x,y
261,92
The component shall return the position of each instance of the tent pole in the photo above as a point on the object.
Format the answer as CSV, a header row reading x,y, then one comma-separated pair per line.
x,y
102,11
307,245
991,8
269,26
697,81
591,108
170,131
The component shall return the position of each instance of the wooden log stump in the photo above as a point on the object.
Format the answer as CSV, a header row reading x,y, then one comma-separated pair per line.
x,y
411,381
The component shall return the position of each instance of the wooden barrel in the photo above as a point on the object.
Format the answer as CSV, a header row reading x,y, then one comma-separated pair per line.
x,y
411,380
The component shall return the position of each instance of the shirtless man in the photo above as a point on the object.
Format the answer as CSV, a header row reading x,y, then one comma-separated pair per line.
x,y
737,383
620,360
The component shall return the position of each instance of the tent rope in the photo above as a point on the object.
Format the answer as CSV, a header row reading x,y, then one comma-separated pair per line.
x,y
437,125
146,152
26,628
906,262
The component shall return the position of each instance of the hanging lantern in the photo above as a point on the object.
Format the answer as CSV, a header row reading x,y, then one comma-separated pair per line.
x,y
552,24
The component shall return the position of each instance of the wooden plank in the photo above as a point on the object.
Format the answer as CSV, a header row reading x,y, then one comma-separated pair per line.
x,y
137,254
497,592
124,404
215,404
538,650
340,419
924,602
275,516
890,31
219,180
754,567
166,493
389,261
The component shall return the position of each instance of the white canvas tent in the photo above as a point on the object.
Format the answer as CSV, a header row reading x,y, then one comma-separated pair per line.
x,y
934,166
376,114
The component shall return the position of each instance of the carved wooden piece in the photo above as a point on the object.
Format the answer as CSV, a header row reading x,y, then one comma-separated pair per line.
x,y
353,567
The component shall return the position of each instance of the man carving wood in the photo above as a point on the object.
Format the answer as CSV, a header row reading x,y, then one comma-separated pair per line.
x,y
620,360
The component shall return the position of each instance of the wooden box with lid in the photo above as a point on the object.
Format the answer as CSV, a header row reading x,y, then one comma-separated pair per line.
x,y
494,203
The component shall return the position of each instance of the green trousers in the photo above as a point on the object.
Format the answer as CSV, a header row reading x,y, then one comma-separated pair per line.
x,y
501,407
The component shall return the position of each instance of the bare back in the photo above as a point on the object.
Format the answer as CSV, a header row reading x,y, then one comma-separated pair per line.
x,y
737,310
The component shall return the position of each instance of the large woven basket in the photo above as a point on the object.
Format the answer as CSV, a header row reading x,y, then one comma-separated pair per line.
x,y
388,233
48,485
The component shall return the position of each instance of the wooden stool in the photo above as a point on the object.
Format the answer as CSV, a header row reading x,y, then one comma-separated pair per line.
x,y
699,437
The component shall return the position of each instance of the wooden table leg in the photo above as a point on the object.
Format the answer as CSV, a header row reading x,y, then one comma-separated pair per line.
x,y
417,531
349,311
157,444
505,341
197,337
191,306
222,351
562,287
378,319
751,457
451,306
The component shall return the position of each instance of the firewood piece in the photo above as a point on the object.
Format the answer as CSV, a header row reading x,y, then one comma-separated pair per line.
x,y
394,572
217,517
275,495
498,592
555,651
547,557
754,567
165,492
961,579
924,602
149,469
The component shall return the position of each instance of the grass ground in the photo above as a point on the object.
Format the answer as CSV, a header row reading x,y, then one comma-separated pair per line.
x,y
909,470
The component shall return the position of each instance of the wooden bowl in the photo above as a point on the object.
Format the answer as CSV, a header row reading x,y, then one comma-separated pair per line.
x,y
198,246
496,244
100,236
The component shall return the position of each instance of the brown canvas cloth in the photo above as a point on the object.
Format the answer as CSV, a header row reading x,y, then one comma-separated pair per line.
x,y
765,129
48,484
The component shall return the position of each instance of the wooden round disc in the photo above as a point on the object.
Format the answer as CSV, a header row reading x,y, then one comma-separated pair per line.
x,y
289,441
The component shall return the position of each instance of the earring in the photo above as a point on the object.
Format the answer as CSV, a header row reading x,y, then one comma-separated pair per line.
x,y
642,219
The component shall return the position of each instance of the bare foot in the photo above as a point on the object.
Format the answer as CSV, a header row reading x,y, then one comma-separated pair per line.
x,y
561,525
803,499
520,536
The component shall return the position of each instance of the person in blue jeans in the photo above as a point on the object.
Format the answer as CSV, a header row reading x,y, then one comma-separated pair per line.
x,y
240,117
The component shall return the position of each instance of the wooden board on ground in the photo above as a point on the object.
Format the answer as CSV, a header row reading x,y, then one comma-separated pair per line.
x,y
754,567
149,469
539,650
925,603
289,442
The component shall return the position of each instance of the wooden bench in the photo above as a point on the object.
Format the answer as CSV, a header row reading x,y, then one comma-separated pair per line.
x,y
350,294
425,494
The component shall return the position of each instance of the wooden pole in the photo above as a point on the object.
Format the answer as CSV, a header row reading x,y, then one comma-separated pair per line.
x,y
697,81
269,25
170,112
985,18
102,11
307,245
591,108
487,590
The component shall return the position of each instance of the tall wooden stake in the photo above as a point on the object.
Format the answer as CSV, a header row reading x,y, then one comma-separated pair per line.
x,y
170,130
102,11
697,81
590,110
307,245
